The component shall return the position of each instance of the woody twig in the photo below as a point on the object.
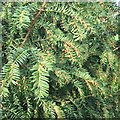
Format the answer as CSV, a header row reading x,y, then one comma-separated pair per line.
x,y
32,24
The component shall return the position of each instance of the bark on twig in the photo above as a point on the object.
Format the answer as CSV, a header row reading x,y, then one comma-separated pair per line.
x,y
116,48
32,24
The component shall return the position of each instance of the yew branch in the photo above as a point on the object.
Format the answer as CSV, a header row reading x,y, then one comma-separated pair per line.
x,y
32,24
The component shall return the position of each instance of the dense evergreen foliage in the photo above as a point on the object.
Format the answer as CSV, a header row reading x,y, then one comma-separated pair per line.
x,y
67,66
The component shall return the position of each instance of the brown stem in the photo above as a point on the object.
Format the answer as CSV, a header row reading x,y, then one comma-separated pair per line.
x,y
116,48
32,24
